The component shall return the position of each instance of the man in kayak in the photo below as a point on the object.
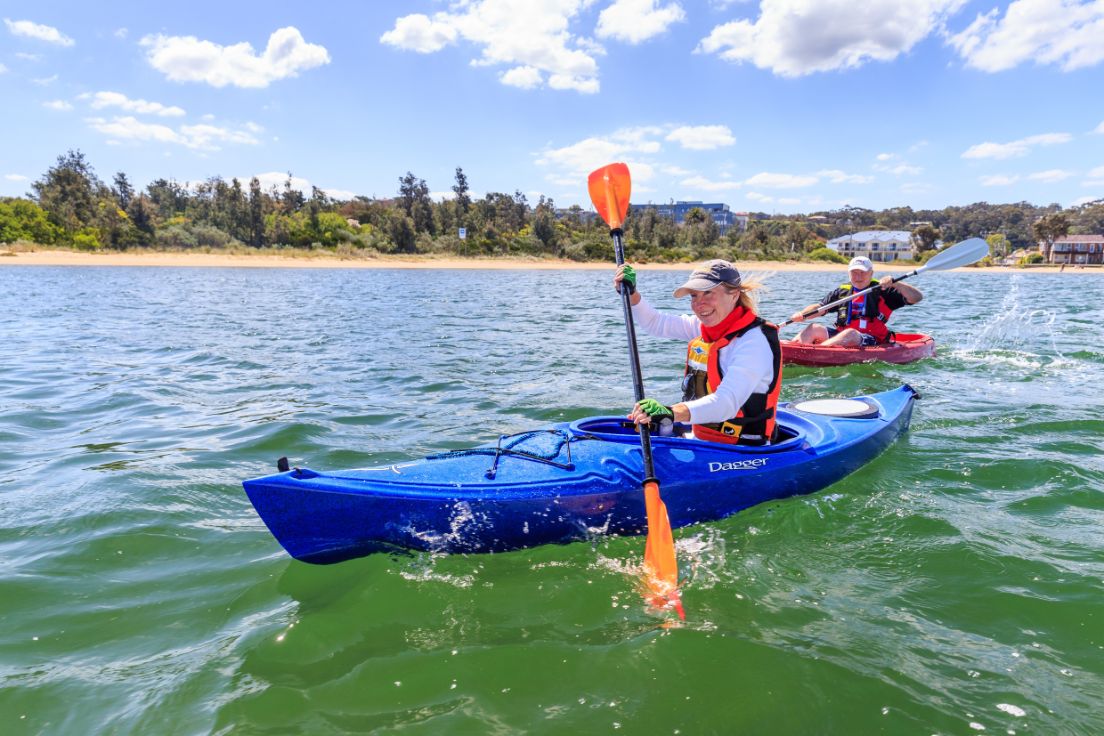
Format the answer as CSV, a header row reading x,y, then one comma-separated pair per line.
x,y
860,322
733,361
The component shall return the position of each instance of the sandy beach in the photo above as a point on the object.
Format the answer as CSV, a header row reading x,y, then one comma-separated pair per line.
x,y
233,260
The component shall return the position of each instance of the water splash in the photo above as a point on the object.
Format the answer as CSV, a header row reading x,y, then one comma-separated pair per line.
x,y
462,521
1014,327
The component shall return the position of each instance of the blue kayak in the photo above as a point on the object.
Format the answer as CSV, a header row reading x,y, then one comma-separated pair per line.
x,y
567,482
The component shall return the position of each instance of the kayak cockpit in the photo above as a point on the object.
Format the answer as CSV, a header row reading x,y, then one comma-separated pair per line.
x,y
617,429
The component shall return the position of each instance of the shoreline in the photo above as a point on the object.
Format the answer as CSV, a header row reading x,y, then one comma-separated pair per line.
x,y
235,260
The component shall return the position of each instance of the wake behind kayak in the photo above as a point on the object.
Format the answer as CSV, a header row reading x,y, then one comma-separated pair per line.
x,y
565,482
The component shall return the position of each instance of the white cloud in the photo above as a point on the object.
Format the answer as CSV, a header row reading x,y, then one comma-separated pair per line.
x,y
59,105
1016,148
588,154
901,169
525,77
1051,175
792,38
1085,200
789,200
1095,178
3,68
130,129
339,194
886,156
15,177
999,180
28,57
635,21
45,81
203,137
29,29
100,100
757,197
781,181
519,34
188,59
702,137
420,33
641,172
835,176
120,33
277,178
708,185
208,136
1066,33
564,181
1098,172
1099,128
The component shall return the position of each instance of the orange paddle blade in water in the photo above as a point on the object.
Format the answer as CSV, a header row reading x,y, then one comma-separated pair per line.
x,y
660,566
610,187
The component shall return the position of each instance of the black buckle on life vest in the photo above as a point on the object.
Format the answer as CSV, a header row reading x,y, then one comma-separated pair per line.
x,y
761,417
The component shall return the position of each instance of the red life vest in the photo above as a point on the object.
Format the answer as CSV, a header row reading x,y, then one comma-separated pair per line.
x,y
867,313
754,423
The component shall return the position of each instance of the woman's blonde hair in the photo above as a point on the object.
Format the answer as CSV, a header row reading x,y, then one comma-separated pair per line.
x,y
749,300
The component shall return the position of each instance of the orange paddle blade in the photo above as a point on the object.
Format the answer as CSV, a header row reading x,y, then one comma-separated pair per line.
x,y
660,566
610,187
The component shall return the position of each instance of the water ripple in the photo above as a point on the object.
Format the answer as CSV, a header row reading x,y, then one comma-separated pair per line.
x,y
953,584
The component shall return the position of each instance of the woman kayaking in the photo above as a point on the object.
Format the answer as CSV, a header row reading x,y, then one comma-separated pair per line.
x,y
733,361
862,320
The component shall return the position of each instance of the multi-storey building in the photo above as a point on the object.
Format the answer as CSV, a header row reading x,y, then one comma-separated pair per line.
x,y
877,245
725,218
1080,249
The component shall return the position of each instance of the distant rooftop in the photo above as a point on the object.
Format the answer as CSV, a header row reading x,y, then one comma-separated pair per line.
x,y
1080,239
875,236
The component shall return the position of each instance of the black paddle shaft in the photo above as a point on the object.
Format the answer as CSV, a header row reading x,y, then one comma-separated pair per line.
x,y
634,358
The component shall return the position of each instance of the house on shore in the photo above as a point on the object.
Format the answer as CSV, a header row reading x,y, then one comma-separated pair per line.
x,y
877,245
1078,249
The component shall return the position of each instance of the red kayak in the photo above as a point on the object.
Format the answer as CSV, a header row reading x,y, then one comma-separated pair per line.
x,y
905,348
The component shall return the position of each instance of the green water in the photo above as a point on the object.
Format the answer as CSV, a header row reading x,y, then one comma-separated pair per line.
x,y
952,586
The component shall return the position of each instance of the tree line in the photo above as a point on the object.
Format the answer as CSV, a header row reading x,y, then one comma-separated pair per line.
x,y
71,206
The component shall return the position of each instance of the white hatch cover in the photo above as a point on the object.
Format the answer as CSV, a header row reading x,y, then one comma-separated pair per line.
x,y
852,408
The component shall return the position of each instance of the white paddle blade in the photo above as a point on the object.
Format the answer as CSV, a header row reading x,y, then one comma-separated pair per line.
x,y
959,254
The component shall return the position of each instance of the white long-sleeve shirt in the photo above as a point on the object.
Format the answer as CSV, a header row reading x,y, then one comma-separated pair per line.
x,y
746,363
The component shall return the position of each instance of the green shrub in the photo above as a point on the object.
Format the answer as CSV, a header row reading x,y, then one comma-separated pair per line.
x,y
591,249
826,254
209,236
175,236
87,239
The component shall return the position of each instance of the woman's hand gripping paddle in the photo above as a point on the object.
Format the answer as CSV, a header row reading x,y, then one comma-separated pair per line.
x,y
610,187
959,254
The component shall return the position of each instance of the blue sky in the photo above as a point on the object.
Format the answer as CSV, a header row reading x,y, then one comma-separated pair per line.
x,y
777,106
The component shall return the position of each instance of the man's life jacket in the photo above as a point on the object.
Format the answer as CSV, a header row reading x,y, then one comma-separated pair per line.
x,y
867,313
754,423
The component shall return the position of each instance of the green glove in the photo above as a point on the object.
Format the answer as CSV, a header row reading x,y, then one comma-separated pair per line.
x,y
628,277
656,410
